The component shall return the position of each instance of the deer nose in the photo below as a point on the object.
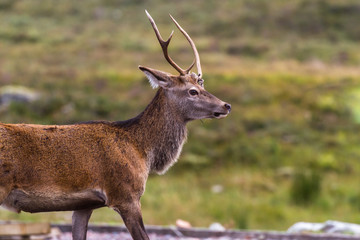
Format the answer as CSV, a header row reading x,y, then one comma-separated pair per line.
x,y
227,106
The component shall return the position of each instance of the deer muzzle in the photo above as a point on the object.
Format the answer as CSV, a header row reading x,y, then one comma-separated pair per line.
x,y
225,111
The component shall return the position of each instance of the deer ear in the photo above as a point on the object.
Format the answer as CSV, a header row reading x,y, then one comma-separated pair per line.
x,y
157,78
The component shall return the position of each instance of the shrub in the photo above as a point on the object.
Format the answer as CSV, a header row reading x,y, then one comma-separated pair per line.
x,y
306,187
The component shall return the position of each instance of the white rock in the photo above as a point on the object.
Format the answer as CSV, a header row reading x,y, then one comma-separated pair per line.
x,y
217,188
11,93
182,224
327,227
217,227
341,227
305,227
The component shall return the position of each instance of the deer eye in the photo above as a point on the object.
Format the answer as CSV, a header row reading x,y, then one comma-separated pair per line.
x,y
193,92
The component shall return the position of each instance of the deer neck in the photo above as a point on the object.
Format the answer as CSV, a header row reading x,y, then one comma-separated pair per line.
x,y
160,132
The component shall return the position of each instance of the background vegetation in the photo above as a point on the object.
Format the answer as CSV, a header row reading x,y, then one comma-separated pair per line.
x,y
288,152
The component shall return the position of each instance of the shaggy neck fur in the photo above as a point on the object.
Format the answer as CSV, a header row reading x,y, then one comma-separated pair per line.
x,y
160,132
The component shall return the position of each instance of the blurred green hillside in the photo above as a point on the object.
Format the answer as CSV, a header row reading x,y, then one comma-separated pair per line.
x,y
289,150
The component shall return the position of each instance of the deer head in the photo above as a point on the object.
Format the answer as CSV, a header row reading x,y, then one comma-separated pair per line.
x,y
186,90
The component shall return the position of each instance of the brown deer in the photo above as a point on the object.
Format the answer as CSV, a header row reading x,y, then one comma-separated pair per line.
x,y
90,165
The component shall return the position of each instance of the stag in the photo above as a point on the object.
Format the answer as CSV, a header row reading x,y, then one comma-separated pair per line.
x,y
85,166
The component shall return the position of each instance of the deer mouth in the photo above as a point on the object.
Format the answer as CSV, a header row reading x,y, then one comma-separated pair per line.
x,y
219,115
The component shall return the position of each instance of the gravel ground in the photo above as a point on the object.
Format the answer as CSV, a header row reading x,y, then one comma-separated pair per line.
x,y
92,235
172,233
109,232
125,236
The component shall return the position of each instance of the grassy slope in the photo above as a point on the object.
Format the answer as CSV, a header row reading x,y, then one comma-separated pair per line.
x,y
289,150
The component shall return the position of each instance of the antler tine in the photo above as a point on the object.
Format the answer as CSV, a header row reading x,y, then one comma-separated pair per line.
x,y
197,57
164,45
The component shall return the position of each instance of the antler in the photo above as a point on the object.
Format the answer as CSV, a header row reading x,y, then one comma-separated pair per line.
x,y
197,57
164,45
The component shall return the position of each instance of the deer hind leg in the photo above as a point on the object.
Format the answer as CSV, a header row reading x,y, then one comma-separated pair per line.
x,y
80,221
131,214
3,194
5,184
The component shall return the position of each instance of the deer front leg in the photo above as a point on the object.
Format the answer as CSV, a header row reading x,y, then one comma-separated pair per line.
x,y
131,215
80,221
